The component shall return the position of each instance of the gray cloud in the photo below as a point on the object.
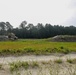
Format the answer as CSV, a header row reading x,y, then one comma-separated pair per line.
x,y
73,3
72,20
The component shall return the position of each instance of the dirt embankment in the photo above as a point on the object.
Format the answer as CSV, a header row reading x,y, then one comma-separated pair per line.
x,y
43,69
64,38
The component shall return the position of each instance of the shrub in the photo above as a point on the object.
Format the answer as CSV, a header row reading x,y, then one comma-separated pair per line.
x,y
34,64
25,65
61,47
72,61
58,61
69,60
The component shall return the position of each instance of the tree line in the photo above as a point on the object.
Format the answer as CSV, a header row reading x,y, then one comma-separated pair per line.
x,y
36,31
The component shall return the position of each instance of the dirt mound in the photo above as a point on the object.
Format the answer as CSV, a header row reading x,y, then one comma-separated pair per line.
x,y
64,38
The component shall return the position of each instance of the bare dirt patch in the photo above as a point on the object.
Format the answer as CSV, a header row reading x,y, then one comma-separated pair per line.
x,y
9,59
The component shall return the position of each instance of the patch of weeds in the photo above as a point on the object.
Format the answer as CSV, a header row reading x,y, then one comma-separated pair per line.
x,y
74,61
54,50
47,49
66,51
25,65
61,47
29,50
0,66
37,53
34,64
0,52
59,61
71,61
14,66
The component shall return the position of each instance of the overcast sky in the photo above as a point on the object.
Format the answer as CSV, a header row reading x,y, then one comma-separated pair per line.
x,y
62,12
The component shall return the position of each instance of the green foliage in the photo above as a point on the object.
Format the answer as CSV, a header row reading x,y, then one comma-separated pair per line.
x,y
66,51
61,47
17,65
56,67
29,50
69,60
36,46
72,61
59,61
36,31
25,65
35,64
0,66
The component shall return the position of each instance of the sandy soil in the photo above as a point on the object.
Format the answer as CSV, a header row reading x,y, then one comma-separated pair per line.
x,y
41,71
9,59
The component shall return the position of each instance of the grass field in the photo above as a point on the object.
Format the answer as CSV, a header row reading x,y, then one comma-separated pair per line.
x,y
36,46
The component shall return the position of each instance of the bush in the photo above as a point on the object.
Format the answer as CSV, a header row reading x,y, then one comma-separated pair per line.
x,y
58,61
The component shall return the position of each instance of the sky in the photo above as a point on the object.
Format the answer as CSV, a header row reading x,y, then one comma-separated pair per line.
x,y
55,12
